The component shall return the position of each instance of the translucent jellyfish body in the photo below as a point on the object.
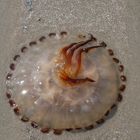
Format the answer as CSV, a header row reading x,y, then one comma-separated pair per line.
x,y
64,82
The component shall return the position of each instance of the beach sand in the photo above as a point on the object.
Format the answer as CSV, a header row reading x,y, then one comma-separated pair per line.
x,y
115,22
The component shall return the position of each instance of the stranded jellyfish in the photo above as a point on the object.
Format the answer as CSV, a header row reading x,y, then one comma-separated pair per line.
x,y
64,82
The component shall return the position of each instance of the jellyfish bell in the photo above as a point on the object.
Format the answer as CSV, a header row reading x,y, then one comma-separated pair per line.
x,y
65,82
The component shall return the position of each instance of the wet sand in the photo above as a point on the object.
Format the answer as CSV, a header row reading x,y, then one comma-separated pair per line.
x,y
115,22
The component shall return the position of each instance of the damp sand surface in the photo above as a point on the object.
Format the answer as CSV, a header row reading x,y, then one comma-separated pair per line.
x,y
115,22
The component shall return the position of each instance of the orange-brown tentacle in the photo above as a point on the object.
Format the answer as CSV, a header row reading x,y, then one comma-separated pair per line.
x,y
73,47
65,72
64,53
72,81
80,44
64,50
92,47
79,56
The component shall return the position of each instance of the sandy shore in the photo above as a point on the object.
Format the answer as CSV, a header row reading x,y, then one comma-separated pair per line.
x,y
116,22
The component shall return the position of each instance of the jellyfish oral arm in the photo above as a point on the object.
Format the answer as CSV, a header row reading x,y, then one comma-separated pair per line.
x,y
69,73
73,81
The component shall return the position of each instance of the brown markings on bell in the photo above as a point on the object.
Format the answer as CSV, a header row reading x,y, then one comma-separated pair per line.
x,y
78,128
103,44
101,121
8,95
122,87
9,75
69,129
113,106
90,127
12,66
24,119
45,130
32,43
123,78
42,38
52,34
116,60
16,57
110,51
120,97
34,124
57,131
16,111
121,68
63,33
24,49
12,103
107,113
